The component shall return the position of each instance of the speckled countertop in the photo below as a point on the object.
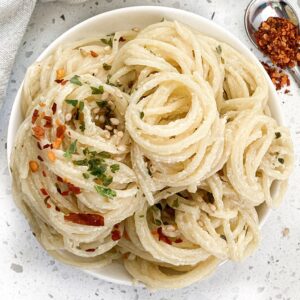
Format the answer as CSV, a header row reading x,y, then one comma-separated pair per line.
x,y
27,272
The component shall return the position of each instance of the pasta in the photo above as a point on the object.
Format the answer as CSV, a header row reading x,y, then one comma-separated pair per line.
x,y
154,147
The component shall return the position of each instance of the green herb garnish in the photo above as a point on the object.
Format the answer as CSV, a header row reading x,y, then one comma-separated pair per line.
x,y
72,102
97,90
71,150
75,80
107,42
175,203
141,216
106,67
85,175
281,160
114,168
157,222
81,106
103,154
219,49
102,104
82,127
277,135
104,191
82,162
106,180
142,114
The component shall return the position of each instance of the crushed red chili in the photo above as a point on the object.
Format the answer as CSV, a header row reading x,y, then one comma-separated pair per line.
x,y
60,131
44,192
90,250
162,237
48,123
278,77
46,202
35,115
54,107
279,39
85,219
38,132
73,189
115,235
178,241
40,158
44,173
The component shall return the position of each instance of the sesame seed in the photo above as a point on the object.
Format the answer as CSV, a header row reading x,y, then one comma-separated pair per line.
x,y
68,117
114,121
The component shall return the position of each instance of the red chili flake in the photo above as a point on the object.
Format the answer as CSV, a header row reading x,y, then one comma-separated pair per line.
x,y
48,120
57,208
38,132
74,189
85,219
58,80
178,241
278,77
35,115
162,237
39,145
44,174
60,131
122,39
94,54
117,225
286,91
65,193
44,192
115,235
64,82
40,158
46,202
54,106
59,179
46,146
90,250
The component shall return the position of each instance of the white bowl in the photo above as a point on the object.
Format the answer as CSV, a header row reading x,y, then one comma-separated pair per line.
x,y
141,16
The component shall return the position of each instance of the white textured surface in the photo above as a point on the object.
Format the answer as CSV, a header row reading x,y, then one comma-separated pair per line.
x,y
27,272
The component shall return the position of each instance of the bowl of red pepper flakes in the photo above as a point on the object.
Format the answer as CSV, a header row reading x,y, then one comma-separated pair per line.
x,y
279,39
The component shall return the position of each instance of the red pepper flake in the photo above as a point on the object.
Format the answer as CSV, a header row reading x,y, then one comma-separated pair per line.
x,y
90,250
46,202
48,123
44,192
60,131
278,77
39,145
178,241
162,237
286,91
279,39
73,189
94,54
35,115
115,235
46,146
117,225
57,208
38,132
64,82
59,179
58,80
85,219
54,107
65,193
44,173
40,158
122,39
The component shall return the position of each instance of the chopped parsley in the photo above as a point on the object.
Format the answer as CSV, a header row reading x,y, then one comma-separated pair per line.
x,y
106,180
141,216
106,67
81,106
71,150
219,49
97,90
277,135
107,41
102,104
157,222
75,80
175,203
104,191
281,160
82,162
104,154
114,168
72,102
85,175
142,114
82,127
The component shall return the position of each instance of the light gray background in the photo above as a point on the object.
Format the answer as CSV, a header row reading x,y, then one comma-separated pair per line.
x,y
27,272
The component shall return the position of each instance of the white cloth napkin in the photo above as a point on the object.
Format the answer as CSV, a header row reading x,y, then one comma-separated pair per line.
x,y
14,17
